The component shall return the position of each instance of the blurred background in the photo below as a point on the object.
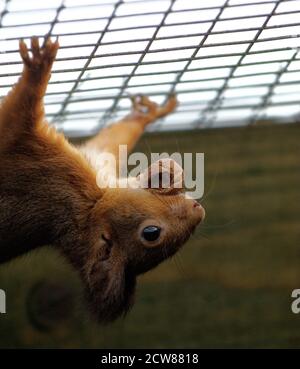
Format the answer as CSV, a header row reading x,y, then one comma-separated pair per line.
x,y
234,66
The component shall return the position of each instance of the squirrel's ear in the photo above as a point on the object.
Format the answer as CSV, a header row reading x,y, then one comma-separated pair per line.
x,y
165,176
109,287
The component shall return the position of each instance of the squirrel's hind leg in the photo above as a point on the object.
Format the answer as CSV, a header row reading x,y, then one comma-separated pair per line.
x,y
22,109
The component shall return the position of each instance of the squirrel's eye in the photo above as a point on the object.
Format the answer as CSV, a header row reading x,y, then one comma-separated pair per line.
x,y
151,233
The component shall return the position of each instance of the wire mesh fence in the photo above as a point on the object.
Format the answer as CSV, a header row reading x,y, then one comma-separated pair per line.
x,y
230,62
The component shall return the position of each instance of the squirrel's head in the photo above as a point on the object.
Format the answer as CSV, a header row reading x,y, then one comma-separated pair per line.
x,y
140,227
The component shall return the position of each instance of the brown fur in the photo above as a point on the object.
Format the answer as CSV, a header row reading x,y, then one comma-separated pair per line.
x,y
49,194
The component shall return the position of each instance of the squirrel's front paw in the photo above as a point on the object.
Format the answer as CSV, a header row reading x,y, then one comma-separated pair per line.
x,y
42,57
147,111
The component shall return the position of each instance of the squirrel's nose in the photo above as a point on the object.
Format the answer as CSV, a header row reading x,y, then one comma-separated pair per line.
x,y
199,211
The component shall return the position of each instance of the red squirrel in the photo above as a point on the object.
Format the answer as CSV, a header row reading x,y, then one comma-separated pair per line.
x,y
49,194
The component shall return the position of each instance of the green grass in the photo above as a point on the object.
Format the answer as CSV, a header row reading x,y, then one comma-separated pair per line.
x,y
231,284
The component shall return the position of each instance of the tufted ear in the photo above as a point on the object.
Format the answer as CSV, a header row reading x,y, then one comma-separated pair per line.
x,y
165,176
109,286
